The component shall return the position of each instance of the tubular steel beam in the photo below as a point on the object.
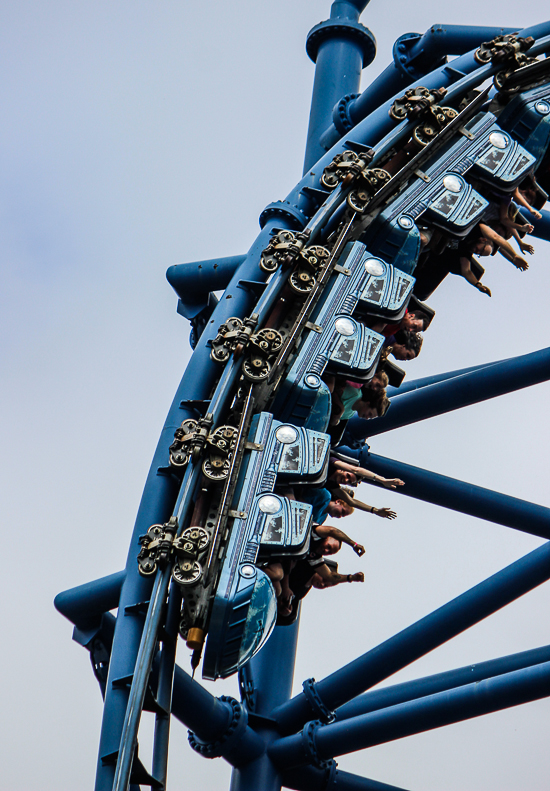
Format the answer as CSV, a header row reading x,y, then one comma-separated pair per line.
x,y
264,693
430,685
192,282
340,47
418,384
85,604
219,725
420,638
310,778
465,73
542,226
463,497
418,716
414,56
446,396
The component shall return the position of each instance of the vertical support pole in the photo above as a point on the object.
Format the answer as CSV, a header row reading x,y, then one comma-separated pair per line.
x,y
270,673
340,47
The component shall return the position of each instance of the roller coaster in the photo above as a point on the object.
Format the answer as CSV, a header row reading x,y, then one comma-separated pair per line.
x,y
435,163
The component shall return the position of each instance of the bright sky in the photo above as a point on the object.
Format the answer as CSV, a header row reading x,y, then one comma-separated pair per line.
x,y
139,134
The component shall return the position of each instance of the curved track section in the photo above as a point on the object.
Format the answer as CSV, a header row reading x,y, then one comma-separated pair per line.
x,y
248,461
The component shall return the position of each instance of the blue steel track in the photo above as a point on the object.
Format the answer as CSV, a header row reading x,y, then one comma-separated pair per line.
x,y
269,738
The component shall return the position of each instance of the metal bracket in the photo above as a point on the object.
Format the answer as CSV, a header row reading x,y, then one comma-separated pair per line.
x,y
350,168
232,734
156,547
308,743
309,325
508,52
233,336
237,514
370,181
253,446
189,440
422,175
237,335
466,133
318,707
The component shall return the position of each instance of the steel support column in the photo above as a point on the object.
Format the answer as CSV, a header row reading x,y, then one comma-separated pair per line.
x,y
340,47
421,637
264,690
418,716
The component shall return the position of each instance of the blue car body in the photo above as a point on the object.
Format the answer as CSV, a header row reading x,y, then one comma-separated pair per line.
x,y
264,525
337,340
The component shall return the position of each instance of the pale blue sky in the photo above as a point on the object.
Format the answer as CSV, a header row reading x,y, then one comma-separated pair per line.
x,y
136,134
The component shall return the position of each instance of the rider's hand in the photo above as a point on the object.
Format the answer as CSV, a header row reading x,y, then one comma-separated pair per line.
x,y
391,483
385,513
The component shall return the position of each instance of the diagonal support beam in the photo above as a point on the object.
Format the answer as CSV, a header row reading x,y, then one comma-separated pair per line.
x,y
445,708
220,725
424,381
430,685
471,388
542,226
312,778
463,497
420,638
85,604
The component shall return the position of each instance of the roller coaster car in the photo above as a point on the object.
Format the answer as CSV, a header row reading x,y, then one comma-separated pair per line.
x,y
338,343
264,525
442,196
527,118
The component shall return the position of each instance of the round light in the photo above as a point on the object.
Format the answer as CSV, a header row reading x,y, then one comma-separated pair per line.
x,y
498,140
248,571
344,326
452,183
286,434
269,504
542,107
374,267
312,380
405,222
